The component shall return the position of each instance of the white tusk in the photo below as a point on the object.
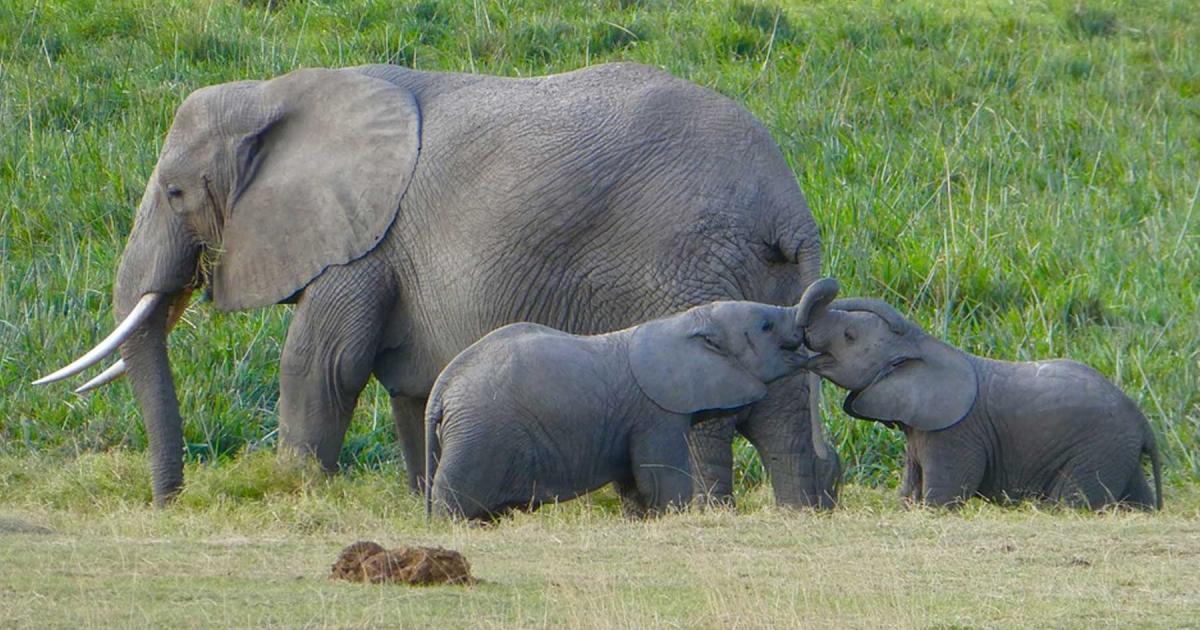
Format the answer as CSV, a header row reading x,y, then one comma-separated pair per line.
x,y
814,416
107,376
144,308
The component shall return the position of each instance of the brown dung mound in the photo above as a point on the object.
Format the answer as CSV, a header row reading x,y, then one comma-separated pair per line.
x,y
349,562
369,562
418,565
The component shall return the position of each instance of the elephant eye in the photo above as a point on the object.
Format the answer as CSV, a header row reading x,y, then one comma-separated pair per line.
x,y
849,334
174,192
767,325
710,342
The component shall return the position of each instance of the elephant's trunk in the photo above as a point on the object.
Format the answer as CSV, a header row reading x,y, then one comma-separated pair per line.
x,y
145,354
161,257
155,280
815,300
817,295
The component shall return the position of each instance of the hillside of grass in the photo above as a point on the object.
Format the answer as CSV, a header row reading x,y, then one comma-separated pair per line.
x,y
1022,178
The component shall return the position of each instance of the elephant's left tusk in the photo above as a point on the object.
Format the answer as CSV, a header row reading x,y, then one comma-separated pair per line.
x,y
139,314
104,378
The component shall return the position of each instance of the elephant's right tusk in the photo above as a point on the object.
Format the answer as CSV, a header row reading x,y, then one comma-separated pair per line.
x,y
107,376
140,312
814,416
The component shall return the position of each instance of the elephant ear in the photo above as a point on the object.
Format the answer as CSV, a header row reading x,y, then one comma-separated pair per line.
x,y
931,390
677,366
317,183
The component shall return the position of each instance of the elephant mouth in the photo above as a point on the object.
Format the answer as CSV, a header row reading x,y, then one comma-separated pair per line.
x,y
794,359
815,361
202,278
884,372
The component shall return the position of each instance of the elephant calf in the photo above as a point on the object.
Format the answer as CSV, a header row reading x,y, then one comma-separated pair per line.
x,y
1055,430
530,414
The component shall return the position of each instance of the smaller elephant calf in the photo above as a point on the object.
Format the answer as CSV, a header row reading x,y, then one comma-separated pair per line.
x,y
1055,430
529,414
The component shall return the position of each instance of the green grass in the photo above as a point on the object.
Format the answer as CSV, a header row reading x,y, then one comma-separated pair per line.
x,y
80,547
1020,177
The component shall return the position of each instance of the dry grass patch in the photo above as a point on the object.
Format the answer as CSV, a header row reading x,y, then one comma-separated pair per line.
x,y
265,561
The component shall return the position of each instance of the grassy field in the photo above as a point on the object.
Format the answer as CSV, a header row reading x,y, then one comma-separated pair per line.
x,y
250,544
1022,178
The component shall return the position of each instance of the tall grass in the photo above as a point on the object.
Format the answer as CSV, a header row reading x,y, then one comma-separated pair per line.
x,y
1022,178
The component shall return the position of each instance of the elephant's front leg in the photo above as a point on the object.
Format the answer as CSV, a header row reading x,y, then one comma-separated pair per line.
x,y
661,466
327,358
910,488
709,442
633,504
950,476
803,466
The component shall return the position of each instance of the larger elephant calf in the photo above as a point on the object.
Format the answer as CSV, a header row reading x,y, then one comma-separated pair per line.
x,y
406,214
529,414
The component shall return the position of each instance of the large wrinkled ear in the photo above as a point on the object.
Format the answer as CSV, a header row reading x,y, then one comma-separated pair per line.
x,y
317,183
677,366
931,390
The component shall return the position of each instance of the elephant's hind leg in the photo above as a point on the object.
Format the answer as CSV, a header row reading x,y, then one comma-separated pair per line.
x,y
327,358
409,416
1082,487
474,481
1067,489
1138,492
1091,482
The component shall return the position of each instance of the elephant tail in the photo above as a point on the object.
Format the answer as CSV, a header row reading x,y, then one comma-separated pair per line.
x,y
1150,447
433,417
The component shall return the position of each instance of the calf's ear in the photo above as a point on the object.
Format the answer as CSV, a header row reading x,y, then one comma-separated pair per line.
x,y
678,366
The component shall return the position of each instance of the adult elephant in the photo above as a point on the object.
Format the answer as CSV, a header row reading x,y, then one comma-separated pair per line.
x,y
406,214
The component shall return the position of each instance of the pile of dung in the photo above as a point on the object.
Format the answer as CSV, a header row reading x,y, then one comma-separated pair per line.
x,y
348,565
366,561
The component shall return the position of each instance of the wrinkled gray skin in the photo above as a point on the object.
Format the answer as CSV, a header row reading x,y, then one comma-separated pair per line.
x,y
1053,430
529,414
406,214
